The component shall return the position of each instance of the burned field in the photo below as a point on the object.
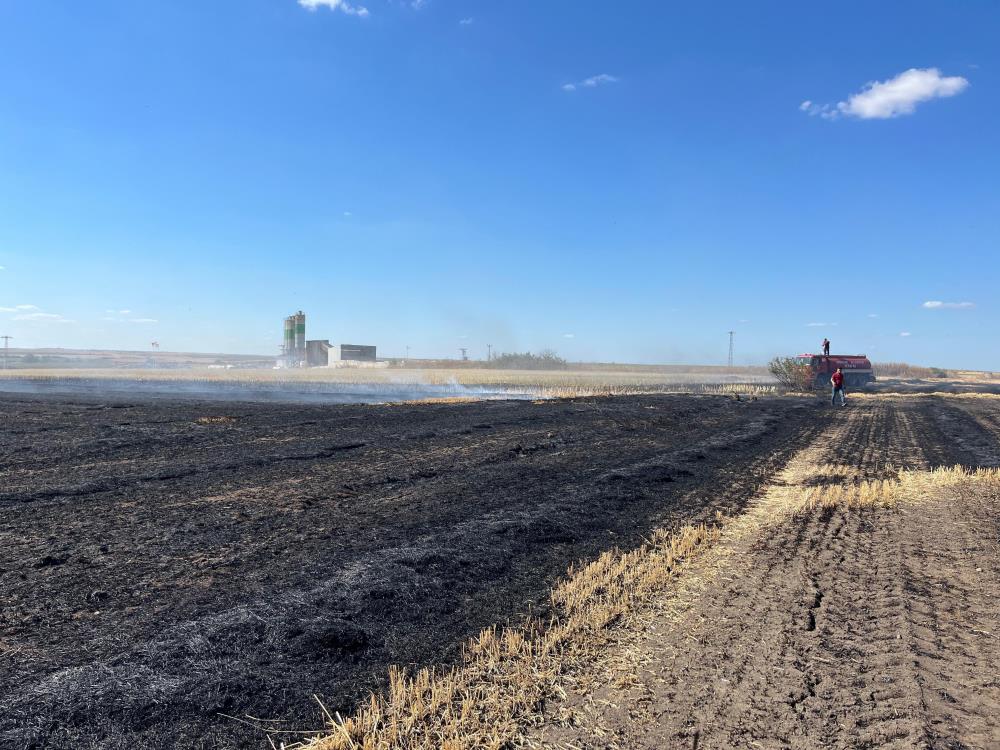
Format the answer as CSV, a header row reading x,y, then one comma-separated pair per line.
x,y
190,573
166,565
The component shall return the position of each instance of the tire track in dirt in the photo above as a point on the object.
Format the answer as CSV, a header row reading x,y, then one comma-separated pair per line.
x,y
952,584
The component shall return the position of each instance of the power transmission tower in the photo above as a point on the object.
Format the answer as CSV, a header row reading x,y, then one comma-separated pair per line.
x,y
465,355
731,349
6,344
489,352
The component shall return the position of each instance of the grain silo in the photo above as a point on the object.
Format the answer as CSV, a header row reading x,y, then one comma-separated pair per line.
x,y
300,337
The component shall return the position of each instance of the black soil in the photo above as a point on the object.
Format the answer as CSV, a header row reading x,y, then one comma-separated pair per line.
x,y
166,565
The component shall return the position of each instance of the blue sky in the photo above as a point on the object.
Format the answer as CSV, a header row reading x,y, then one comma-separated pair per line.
x,y
617,181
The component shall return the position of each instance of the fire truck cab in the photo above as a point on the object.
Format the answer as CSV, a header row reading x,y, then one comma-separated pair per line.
x,y
857,368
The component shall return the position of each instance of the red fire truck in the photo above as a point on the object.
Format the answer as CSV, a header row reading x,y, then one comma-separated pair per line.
x,y
857,368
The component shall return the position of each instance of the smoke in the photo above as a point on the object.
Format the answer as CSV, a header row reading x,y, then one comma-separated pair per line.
x,y
273,392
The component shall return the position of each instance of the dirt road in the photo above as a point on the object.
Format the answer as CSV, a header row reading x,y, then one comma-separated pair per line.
x,y
839,627
164,565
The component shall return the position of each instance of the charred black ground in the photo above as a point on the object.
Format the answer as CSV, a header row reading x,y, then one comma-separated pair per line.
x,y
164,565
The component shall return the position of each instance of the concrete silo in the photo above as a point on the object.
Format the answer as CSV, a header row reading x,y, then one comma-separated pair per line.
x,y
300,338
288,342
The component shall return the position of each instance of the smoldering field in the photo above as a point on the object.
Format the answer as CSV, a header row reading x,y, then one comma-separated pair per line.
x,y
371,385
168,563
188,572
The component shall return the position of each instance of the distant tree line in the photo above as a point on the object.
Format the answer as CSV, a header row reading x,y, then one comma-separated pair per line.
x,y
906,370
544,360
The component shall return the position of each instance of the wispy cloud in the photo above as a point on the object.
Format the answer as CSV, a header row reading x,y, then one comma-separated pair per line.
x,y
591,83
905,333
819,325
465,22
123,316
19,308
882,100
872,315
43,317
342,5
935,304
569,335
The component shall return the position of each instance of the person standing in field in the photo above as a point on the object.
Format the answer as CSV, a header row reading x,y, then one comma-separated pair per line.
x,y
826,347
837,380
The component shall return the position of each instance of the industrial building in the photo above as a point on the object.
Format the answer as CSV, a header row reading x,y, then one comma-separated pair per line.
x,y
354,355
296,351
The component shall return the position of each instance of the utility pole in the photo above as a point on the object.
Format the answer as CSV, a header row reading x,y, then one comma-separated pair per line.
x,y
6,344
489,352
407,358
731,349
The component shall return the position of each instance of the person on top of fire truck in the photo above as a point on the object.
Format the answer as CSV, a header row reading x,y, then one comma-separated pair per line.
x,y
826,347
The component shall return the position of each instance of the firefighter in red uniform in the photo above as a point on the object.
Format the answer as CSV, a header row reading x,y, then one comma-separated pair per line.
x,y
837,380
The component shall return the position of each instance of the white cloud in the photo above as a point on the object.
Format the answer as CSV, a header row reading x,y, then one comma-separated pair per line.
x,y
569,335
590,83
813,109
905,333
3,268
881,100
348,214
43,317
901,95
872,315
417,4
122,316
27,307
465,22
819,325
342,5
939,305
